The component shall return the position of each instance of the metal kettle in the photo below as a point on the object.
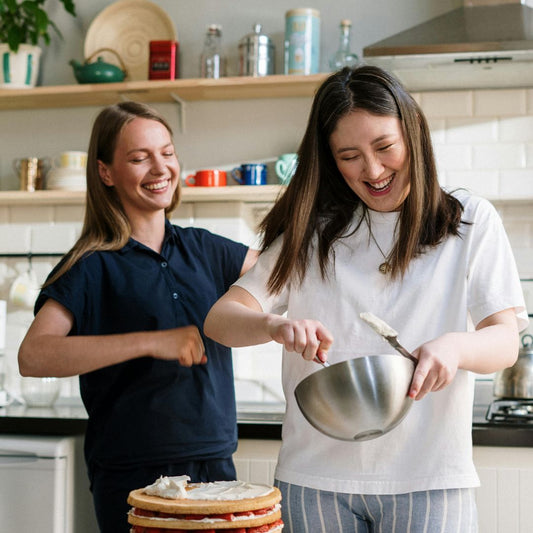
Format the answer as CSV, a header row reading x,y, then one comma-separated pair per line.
x,y
516,382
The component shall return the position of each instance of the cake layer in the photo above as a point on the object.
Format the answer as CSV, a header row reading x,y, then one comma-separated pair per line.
x,y
199,523
276,527
193,504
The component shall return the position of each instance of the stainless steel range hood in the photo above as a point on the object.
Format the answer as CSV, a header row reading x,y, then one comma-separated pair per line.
x,y
475,46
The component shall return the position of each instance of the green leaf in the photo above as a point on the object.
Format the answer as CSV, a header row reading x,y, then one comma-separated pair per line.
x,y
26,21
69,7
14,38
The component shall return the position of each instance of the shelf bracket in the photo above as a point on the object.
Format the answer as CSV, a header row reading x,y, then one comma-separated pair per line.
x,y
181,110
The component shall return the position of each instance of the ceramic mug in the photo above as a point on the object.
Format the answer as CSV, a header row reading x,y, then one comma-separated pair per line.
x,y
25,289
286,167
71,159
207,178
31,171
250,174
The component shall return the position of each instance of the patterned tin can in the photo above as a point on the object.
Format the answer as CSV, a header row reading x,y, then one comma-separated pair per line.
x,y
302,41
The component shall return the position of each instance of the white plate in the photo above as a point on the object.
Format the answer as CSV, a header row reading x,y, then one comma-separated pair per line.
x,y
127,27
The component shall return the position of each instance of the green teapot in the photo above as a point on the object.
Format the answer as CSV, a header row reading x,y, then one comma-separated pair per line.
x,y
99,71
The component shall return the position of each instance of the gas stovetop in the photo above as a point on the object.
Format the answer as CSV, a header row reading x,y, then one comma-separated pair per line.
x,y
517,412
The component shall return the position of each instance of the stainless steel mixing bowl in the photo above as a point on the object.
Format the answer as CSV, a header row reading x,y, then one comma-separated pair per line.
x,y
359,399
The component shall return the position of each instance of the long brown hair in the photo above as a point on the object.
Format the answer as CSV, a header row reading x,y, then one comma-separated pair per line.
x,y
319,200
106,226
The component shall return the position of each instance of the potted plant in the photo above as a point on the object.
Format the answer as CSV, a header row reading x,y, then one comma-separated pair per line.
x,y
23,23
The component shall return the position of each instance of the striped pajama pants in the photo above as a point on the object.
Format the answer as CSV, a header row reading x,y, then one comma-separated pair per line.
x,y
306,510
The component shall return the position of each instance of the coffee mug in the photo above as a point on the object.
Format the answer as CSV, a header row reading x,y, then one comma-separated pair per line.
x,y
71,159
250,174
31,171
207,178
286,167
25,289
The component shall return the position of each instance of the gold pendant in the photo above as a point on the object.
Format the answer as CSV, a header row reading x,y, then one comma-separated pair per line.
x,y
384,268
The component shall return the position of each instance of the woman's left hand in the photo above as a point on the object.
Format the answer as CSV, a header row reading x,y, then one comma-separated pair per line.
x,y
493,346
438,361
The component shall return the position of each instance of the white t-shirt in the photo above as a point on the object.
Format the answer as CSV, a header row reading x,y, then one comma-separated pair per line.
x,y
460,282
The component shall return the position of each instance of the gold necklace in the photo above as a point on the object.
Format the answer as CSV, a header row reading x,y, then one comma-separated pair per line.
x,y
384,267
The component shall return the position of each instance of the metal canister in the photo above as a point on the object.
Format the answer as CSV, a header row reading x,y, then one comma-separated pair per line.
x,y
256,54
302,41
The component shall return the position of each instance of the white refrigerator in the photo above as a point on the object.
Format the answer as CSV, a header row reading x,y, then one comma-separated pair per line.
x,y
43,485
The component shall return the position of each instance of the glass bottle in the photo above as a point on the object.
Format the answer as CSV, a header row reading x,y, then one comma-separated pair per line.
x,y
3,321
212,62
343,57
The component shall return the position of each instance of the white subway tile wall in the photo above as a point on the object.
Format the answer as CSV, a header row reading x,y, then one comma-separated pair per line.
x,y
483,142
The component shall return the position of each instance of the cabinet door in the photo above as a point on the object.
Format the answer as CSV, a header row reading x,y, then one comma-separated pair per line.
x,y
504,500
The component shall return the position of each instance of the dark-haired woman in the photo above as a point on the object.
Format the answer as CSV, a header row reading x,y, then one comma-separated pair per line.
x,y
123,310
365,226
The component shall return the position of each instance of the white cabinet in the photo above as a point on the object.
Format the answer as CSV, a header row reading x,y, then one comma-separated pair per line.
x,y
255,460
505,498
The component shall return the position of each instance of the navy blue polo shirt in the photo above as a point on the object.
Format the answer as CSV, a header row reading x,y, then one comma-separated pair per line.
x,y
148,410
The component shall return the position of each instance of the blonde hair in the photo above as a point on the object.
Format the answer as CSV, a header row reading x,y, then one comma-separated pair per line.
x,y
106,226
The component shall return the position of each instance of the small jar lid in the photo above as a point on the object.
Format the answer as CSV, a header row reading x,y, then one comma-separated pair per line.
x,y
256,37
306,11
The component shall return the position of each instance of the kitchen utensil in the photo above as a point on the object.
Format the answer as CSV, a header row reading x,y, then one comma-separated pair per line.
x,y
66,179
250,174
72,159
30,171
25,289
127,27
39,392
359,399
99,71
388,333
207,178
256,54
516,382
285,167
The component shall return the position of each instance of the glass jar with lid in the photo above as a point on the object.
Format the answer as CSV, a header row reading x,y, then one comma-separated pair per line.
x,y
212,61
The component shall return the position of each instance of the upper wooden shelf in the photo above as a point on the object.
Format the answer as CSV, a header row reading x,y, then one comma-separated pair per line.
x,y
262,193
80,95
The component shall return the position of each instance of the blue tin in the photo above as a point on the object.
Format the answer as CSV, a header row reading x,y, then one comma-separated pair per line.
x,y
302,41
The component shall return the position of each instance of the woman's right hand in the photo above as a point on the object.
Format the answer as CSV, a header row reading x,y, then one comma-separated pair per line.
x,y
310,338
184,345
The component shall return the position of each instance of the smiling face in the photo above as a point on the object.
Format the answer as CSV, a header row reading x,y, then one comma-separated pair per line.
x,y
144,170
371,154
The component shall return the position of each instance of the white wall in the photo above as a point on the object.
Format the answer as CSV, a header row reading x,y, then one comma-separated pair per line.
x,y
483,140
276,125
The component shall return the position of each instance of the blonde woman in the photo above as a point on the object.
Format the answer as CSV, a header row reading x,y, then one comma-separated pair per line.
x,y
123,310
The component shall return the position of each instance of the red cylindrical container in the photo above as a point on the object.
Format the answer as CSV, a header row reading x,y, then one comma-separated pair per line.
x,y
163,60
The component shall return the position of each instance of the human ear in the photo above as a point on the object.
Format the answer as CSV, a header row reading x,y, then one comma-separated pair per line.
x,y
104,174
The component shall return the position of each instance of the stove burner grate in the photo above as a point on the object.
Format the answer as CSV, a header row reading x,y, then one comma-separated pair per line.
x,y
515,411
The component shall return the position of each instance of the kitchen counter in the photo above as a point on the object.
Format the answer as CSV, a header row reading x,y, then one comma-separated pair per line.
x,y
255,421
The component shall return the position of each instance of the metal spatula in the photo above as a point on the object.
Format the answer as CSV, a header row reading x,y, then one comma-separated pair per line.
x,y
388,333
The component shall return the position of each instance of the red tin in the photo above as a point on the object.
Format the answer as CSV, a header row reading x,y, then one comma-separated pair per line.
x,y
163,60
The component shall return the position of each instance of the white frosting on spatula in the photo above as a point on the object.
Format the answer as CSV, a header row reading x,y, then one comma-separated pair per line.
x,y
378,325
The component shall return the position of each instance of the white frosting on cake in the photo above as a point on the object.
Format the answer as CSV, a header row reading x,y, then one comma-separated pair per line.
x,y
227,490
175,487
168,487
378,325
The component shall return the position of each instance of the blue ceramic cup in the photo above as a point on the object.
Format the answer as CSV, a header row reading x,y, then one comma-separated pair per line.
x,y
250,174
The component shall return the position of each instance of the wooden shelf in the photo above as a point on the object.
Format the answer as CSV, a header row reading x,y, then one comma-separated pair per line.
x,y
100,94
262,193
